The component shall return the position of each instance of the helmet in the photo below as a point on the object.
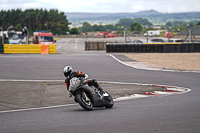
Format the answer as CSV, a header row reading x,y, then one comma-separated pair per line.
x,y
67,71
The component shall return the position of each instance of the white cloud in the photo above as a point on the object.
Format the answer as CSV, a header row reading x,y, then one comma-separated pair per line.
x,y
137,7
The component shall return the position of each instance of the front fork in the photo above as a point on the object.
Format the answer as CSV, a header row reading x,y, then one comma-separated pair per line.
x,y
83,94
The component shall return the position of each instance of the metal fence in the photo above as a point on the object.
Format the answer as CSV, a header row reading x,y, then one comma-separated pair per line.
x,y
96,45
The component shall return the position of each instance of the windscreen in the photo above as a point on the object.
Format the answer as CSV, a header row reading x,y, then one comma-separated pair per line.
x,y
46,39
13,36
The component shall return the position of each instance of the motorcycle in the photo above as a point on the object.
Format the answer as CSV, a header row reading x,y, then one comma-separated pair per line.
x,y
89,96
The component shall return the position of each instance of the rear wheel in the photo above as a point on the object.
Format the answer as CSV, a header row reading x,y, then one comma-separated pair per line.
x,y
109,101
84,101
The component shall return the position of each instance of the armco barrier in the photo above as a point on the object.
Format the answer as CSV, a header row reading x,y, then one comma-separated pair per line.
x,y
28,49
1,49
153,48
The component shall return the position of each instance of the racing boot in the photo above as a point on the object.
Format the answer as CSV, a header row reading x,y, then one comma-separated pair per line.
x,y
101,90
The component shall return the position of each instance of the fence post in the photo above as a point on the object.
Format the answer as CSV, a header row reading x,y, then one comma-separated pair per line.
x,y
86,45
98,45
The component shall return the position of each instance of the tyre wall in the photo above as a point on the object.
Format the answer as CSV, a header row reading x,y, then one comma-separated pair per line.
x,y
154,48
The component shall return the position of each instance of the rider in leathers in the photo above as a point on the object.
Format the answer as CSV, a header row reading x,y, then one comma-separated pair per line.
x,y
69,74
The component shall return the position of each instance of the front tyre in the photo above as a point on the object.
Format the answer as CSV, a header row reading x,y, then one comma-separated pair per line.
x,y
84,101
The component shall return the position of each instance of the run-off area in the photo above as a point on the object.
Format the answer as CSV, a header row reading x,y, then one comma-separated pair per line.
x,y
35,94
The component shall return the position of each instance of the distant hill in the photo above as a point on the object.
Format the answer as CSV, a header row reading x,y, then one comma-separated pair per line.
x,y
97,16
77,18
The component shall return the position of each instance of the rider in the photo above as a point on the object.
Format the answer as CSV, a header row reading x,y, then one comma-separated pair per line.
x,y
69,74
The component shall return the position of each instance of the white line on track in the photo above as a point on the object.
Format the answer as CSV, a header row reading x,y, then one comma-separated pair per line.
x,y
166,70
63,44
30,109
119,60
76,44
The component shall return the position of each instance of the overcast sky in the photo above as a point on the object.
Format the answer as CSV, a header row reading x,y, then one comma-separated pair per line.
x,y
108,6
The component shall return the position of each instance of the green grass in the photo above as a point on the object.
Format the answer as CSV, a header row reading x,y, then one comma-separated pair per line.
x,y
57,38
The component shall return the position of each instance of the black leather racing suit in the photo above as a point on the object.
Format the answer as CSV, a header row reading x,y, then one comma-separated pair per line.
x,y
90,82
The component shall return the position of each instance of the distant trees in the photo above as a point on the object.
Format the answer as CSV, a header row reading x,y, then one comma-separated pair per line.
x,y
87,27
198,23
126,21
74,31
168,24
177,26
35,19
129,21
136,27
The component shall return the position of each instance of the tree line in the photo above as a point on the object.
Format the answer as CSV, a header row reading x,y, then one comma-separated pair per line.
x,y
133,25
56,22
35,20
177,26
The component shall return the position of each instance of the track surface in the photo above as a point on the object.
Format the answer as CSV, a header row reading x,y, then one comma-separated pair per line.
x,y
174,113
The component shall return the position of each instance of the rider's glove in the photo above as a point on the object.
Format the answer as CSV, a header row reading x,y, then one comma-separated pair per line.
x,y
70,94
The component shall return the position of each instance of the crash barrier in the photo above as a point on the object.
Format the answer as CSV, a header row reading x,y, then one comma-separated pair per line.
x,y
96,45
18,49
52,49
29,49
154,48
44,49
1,49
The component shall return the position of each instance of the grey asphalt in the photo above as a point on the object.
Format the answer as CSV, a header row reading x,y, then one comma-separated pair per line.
x,y
174,113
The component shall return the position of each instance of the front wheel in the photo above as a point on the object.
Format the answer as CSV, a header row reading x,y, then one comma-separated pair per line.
x,y
84,101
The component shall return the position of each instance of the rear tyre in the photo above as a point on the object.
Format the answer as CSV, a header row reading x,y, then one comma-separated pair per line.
x,y
83,102
109,101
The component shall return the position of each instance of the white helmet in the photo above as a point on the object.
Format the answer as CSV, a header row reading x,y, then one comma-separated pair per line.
x,y
67,71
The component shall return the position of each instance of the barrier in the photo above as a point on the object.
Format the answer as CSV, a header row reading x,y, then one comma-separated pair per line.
x,y
162,43
29,49
52,49
153,48
1,49
183,48
96,45
24,48
44,49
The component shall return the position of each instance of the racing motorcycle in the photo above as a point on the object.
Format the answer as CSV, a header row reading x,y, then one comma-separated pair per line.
x,y
89,96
